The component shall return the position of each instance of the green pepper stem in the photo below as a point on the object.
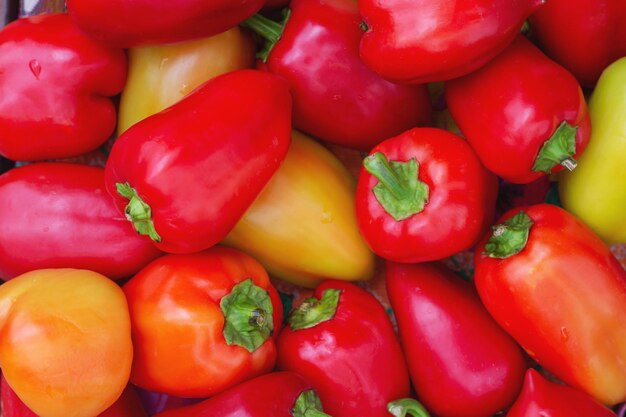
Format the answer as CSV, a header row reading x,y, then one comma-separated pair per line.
x,y
407,406
270,30
313,311
509,237
308,404
558,149
138,212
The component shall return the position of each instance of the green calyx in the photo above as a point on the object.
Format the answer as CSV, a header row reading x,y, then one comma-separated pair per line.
x,y
138,212
308,404
558,149
399,189
407,406
248,315
270,30
313,311
509,237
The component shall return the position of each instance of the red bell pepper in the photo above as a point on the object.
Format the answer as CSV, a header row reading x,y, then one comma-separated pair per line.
x,y
524,114
419,41
202,322
336,97
342,341
131,23
461,362
59,215
55,83
583,36
541,397
277,394
423,196
186,175
560,292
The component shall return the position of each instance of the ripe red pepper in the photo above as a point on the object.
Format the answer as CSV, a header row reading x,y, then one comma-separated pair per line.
x,y
461,362
131,23
202,322
583,36
524,114
56,83
541,397
59,215
336,97
277,394
423,196
419,41
342,341
174,173
560,292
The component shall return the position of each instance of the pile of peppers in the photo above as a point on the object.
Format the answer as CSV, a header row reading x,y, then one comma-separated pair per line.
x,y
258,208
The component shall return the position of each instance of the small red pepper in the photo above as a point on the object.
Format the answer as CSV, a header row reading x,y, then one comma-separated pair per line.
x,y
56,86
524,114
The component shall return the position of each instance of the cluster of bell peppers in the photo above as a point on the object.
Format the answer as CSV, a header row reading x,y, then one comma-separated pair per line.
x,y
147,283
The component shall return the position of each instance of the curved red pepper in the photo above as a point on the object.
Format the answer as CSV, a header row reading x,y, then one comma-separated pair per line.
x,y
342,341
419,41
131,23
185,176
55,83
560,292
59,215
336,97
541,397
423,196
277,394
583,36
462,363
524,114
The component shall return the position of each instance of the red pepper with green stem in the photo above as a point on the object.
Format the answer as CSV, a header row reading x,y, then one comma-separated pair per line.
x,y
342,341
336,97
523,113
424,195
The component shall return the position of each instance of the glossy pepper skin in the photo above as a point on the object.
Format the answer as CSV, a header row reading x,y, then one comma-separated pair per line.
x,y
583,36
130,23
336,97
59,215
554,286
512,111
596,190
174,173
57,324
270,395
220,308
302,227
461,362
56,85
420,41
342,341
161,75
423,195
541,397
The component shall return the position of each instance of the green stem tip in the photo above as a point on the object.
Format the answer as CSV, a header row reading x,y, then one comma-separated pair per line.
x,y
138,212
313,311
558,149
270,30
509,237
308,404
407,406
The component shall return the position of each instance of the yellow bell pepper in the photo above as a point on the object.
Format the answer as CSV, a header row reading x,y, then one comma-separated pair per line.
x,y
596,190
159,76
303,227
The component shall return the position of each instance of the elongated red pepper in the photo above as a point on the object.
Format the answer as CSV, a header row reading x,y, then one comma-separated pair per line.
x,y
559,291
185,176
277,394
55,83
524,114
59,215
336,97
342,341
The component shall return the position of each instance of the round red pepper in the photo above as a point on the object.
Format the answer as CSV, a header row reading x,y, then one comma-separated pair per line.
x,y
202,322
461,362
186,175
342,341
524,114
55,83
560,292
423,196
59,215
